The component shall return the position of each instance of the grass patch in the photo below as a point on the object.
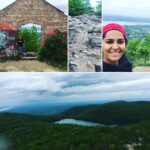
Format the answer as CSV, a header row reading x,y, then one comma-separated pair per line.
x,y
6,58
141,62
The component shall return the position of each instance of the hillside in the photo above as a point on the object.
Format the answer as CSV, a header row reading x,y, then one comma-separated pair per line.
x,y
119,112
34,132
24,132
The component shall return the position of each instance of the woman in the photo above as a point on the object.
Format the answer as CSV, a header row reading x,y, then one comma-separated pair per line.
x,y
114,44
21,46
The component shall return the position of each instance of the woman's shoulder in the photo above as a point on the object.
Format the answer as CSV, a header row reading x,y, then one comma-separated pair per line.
x,y
124,65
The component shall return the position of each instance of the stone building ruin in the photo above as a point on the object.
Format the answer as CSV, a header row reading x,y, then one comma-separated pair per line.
x,y
39,12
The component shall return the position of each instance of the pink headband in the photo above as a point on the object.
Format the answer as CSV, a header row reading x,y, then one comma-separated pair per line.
x,y
114,26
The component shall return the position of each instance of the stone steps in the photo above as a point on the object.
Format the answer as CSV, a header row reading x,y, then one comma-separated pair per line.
x,y
29,56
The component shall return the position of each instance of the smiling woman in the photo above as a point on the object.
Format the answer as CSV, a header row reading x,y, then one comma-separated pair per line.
x,y
114,44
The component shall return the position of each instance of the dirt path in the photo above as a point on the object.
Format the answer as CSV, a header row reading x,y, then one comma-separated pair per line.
x,y
27,66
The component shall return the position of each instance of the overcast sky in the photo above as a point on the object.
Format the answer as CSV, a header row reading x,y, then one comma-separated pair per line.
x,y
19,88
61,4
135,8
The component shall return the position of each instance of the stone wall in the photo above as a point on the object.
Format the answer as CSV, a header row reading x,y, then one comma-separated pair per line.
x,y
85,43
23,12
34,11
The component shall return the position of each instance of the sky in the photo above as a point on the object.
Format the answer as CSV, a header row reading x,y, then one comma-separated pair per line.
x,y
132,8
61,4
21,88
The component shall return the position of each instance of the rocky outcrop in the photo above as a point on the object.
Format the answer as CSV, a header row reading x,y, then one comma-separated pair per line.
x,y
84,43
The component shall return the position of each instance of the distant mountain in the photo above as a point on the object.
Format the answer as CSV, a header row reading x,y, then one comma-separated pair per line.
x,y
23,132
44,108
40,108
119,112
125,18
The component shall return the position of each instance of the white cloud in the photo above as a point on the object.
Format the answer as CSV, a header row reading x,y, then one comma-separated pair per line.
x,y
135,8
62,5
18,88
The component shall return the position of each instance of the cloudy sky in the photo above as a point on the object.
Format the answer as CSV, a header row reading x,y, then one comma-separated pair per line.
x,y
134,8
20,88
62,5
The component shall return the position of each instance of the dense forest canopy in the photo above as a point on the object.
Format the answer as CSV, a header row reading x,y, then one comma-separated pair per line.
x,y
31,132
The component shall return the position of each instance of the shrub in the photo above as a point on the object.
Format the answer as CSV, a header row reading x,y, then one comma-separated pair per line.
x,y
55,50
139,51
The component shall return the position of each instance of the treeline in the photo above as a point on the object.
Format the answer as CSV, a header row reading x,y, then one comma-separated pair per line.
x,y
119,113
80,7
139,51
34,132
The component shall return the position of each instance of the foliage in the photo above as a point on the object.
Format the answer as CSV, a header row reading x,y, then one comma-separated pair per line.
x,y
30,38
112,113
139,51
39,132
6,58
98,10
79,7
55,50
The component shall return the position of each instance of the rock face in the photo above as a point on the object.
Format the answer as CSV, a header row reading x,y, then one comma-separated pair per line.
x,y
84,43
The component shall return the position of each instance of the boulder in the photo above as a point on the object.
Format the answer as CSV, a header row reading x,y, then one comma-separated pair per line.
x,y
84,43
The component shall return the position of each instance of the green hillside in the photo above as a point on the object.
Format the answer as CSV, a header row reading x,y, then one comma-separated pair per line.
x,y
29,132
120,112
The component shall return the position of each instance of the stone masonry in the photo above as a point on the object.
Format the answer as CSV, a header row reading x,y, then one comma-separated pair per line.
x,y
38,12
85,43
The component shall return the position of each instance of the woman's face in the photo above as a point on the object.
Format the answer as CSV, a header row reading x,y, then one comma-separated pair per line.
x,y
113,46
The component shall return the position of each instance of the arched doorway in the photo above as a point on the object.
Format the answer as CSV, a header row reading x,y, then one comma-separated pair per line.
x,y
31,34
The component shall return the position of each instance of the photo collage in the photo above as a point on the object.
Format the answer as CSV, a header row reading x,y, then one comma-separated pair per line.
x,y
74,75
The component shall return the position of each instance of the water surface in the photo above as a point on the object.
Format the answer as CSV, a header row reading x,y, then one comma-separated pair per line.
x,y
78,122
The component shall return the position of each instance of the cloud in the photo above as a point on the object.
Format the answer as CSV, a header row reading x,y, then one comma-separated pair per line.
x,y
62,5
19,88
127,8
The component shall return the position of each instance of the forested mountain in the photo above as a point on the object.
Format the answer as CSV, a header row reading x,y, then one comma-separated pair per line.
x,y
119,112
34,132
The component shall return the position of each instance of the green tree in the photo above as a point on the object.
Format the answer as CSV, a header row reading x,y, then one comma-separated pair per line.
x,y
132,47
30,38
87,6
83,147
98,10
139,51
55,50
79,7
